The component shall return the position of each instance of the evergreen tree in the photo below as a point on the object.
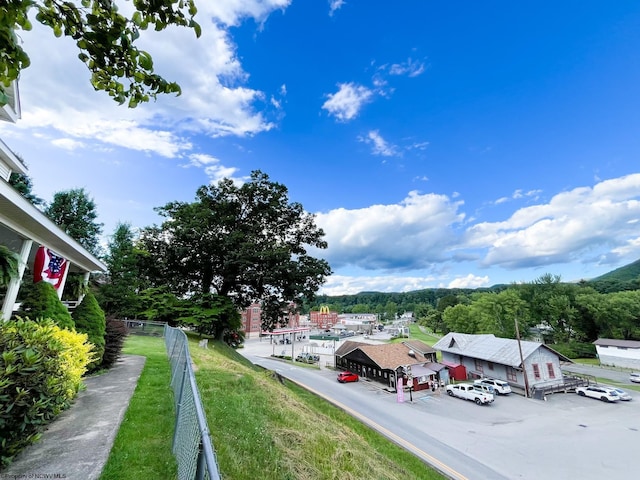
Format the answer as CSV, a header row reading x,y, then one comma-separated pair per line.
x,y
42,302
90,319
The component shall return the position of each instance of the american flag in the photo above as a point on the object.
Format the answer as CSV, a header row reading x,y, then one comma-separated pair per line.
x,y
49,267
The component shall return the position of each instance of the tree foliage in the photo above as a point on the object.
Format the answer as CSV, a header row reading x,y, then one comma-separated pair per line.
x,y
42,303
247,243
90,319
75,213
22,183
118,295
211,314
106,40
9,265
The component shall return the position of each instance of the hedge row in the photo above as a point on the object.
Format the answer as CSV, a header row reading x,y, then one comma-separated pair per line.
x,y
41,367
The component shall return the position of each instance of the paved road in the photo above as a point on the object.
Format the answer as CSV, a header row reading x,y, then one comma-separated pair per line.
x,y
566,437
600,372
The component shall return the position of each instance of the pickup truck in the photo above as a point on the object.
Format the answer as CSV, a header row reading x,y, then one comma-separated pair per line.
x,y
307,358
469,392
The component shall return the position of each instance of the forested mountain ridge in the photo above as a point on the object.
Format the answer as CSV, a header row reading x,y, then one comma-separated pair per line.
x,y
626,273
562,312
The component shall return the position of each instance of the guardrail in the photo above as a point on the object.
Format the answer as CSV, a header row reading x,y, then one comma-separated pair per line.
x,y
191,441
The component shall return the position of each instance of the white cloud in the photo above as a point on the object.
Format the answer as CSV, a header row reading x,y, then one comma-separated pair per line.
x,y
67,144
347,102
58,100
572,223
214,169
411,68
378,144
413,234
469,281
350,285
335,5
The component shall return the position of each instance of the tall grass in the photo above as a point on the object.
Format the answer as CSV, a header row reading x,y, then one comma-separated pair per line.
x,y
264,429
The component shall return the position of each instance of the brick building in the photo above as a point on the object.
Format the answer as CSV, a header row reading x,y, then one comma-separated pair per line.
x,y
252,321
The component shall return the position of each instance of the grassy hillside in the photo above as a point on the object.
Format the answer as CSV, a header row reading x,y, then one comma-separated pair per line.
x,y
261,427
264,429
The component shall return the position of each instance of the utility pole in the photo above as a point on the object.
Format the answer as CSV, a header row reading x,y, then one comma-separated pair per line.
x,y
524,368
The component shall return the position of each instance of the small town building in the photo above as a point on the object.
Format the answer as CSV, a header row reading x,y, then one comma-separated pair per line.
x,y
618,353
489,356
414,361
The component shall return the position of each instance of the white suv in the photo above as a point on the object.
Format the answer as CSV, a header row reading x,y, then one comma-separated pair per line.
x,y
601,393
499,386
634,377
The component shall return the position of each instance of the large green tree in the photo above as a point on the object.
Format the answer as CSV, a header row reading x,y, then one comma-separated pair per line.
x,y
74,211
248,243
106,40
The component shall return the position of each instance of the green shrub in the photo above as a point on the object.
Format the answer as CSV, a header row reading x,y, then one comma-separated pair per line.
x,y
89,319
42,302
41,367
116,332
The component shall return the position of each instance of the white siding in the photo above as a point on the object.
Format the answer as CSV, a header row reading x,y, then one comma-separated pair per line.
x,y
619,357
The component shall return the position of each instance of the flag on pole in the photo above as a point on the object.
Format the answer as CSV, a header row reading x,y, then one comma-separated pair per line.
x,y
49,267
400,390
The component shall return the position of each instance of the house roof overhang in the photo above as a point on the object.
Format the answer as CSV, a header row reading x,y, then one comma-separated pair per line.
x,y
20,216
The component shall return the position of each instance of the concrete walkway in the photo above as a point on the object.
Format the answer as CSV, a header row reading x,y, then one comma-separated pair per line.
x,y
77,444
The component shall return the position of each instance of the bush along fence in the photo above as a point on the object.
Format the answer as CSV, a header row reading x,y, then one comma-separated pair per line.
x,y
191,440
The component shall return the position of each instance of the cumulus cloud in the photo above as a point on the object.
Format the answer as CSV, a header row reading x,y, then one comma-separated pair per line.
x,y
214,169
350,285
67,144
379,146
469,281
347,102
216,101
574,222
410,235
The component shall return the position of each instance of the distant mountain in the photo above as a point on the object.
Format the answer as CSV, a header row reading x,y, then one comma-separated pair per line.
x,y
623,274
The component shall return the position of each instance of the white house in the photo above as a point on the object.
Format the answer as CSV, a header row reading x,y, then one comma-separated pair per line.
x,y
618,353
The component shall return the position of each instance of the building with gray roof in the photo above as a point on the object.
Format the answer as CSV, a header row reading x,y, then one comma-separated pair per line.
x,y
486,355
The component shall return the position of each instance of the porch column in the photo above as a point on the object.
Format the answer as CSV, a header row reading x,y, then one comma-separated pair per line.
x,y
14,284
64,280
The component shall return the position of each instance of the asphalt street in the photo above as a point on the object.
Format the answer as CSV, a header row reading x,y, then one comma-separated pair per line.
x,y
565,437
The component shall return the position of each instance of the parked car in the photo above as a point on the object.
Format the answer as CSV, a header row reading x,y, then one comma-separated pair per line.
x,y
601,393
501,387
481,387
622,394
634,377
307,358
468,391
345,377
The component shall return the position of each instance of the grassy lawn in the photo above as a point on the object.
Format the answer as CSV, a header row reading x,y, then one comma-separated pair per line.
x,y
142,448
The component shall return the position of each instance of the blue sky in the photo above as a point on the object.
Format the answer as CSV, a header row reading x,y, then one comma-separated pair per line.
x,y
440,144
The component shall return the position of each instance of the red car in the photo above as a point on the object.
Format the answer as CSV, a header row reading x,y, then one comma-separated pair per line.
x,y
344,377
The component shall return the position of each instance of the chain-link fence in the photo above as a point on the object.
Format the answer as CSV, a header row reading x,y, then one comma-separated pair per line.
x,y
191,441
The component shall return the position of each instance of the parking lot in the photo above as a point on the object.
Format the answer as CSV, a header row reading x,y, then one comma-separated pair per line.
x,y
565,437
